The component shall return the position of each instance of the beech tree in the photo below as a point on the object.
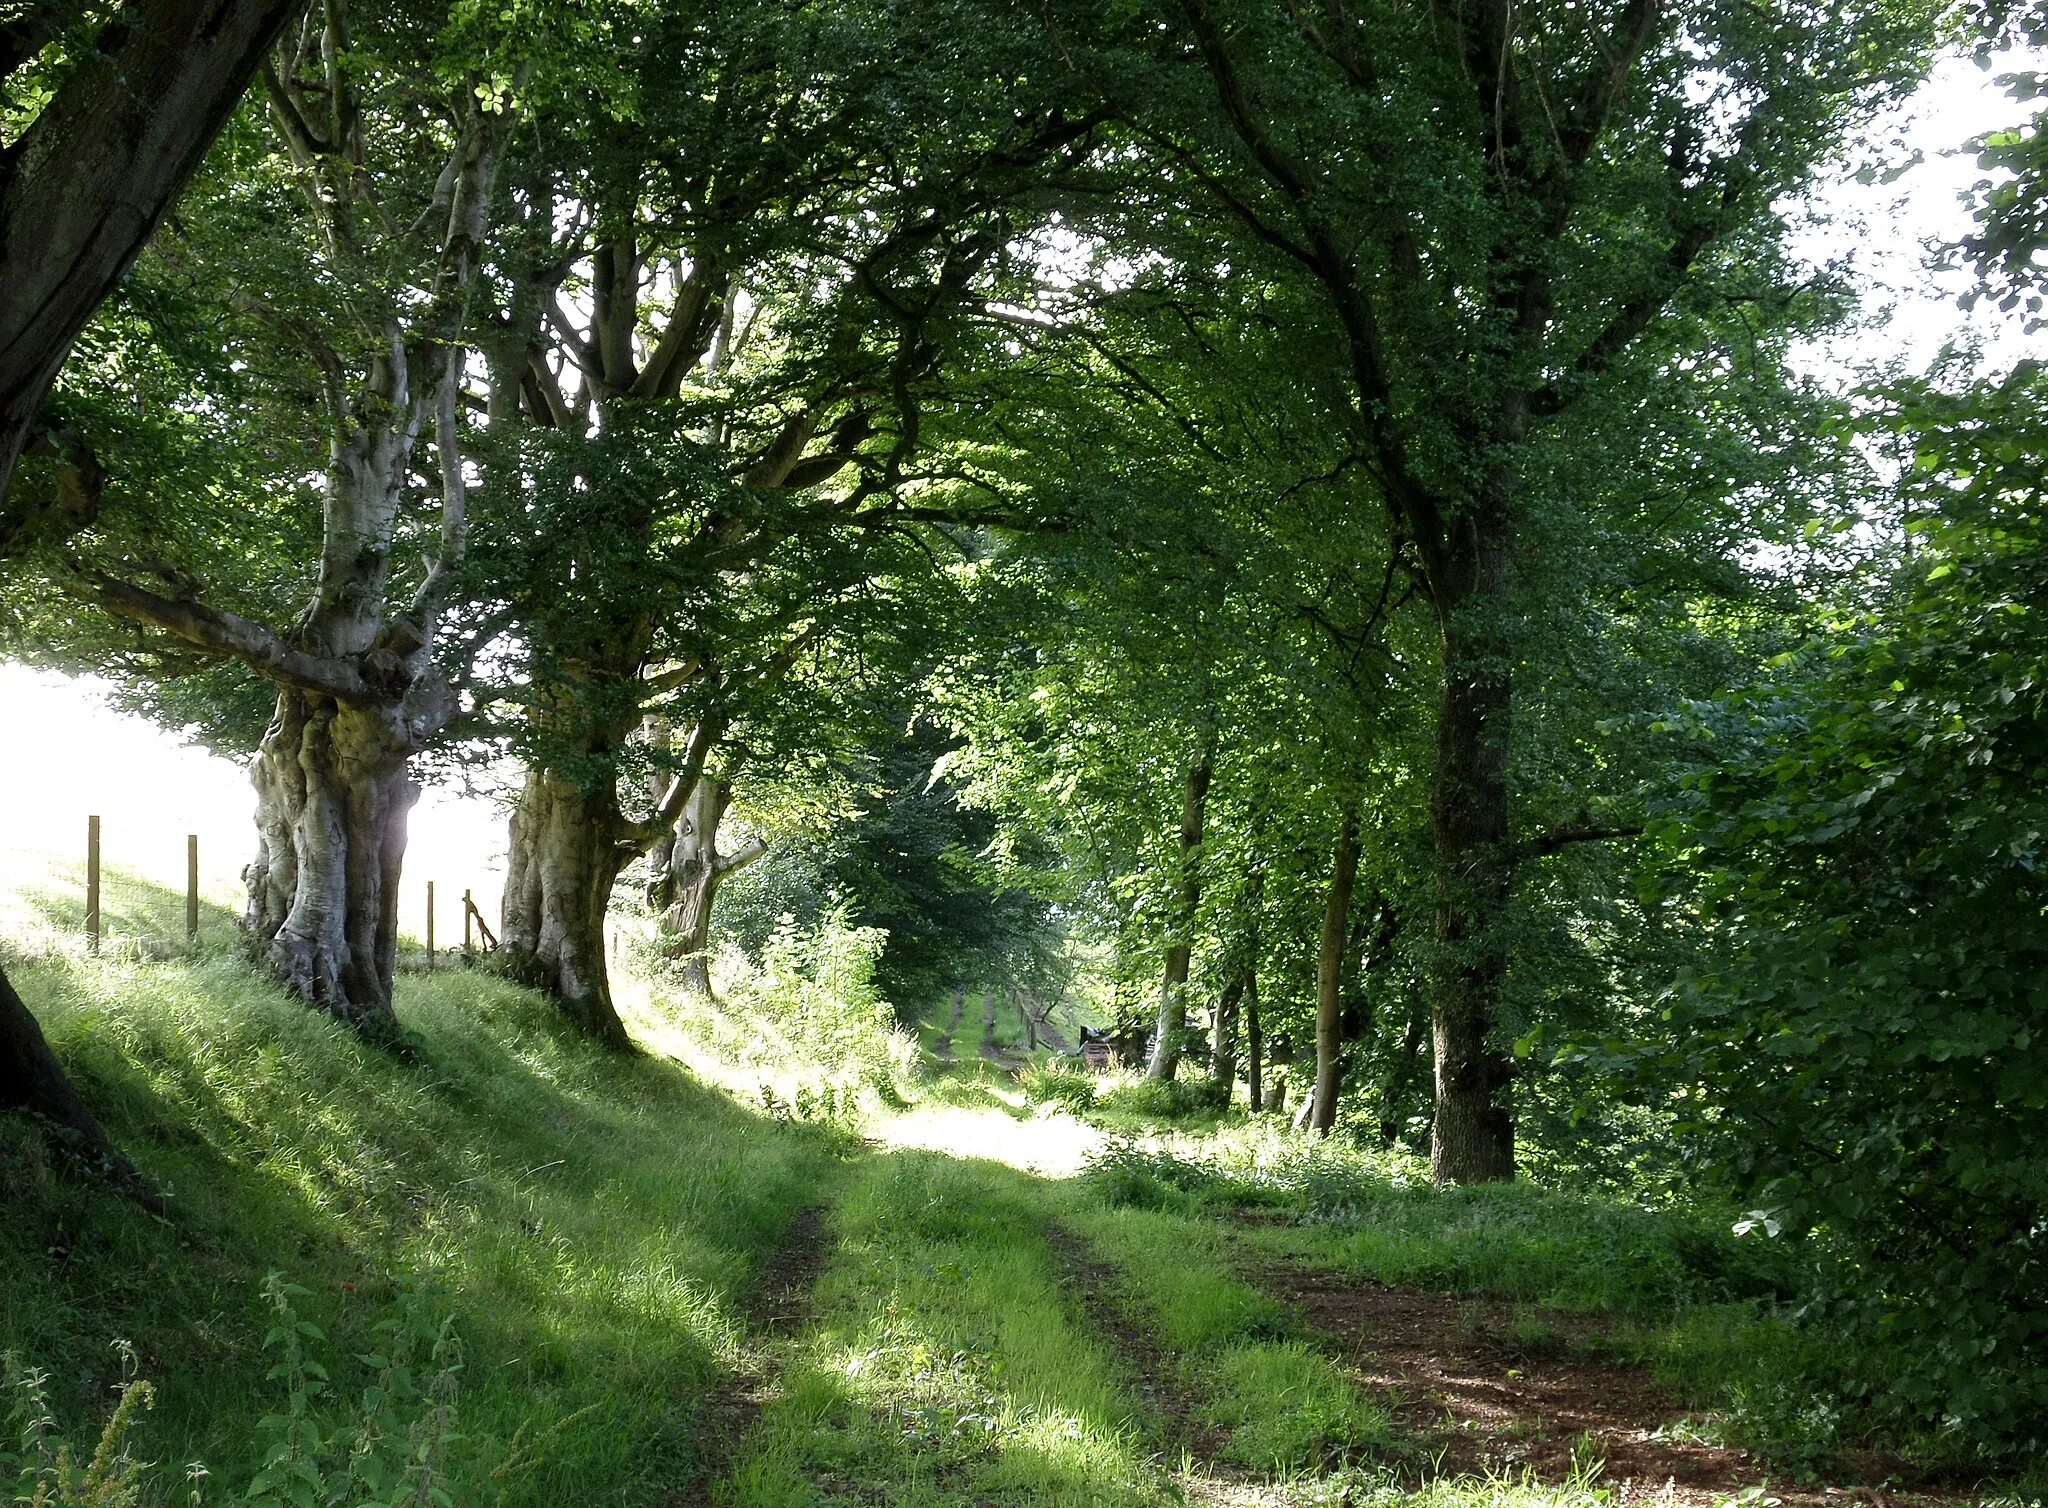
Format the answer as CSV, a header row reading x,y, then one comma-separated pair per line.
x,y
1501,208
370,297
773,311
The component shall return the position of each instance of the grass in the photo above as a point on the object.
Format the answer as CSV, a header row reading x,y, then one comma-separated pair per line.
x,y
585,1218
946,1365
1683,1295
1286,1407
572,1228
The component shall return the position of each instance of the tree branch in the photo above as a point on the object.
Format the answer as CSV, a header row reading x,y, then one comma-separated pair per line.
x,y
1576,832
228,634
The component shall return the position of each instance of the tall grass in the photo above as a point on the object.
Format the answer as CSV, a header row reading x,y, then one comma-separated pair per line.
x,y
586,1216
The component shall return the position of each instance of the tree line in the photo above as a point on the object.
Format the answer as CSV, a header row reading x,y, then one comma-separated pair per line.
x,y
1316,502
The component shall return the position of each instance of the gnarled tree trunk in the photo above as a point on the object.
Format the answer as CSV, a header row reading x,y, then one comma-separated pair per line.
x,y
570,842
695,870
332,795
566,855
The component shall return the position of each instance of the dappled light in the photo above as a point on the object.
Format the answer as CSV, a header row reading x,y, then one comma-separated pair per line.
x,y
1100,754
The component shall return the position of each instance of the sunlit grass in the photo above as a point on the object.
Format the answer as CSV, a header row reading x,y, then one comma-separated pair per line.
x,y
1286,1406
946,1365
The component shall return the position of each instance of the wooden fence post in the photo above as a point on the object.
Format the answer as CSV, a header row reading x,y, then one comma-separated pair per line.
x,y
430,926
192,888
92,883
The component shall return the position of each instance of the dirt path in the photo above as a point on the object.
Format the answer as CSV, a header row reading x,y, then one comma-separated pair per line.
x,y
1490,1394
776,1303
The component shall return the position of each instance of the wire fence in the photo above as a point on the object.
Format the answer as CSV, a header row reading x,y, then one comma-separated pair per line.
x,y
140,893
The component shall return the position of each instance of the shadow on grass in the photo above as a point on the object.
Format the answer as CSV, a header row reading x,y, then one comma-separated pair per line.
x,y
588,1217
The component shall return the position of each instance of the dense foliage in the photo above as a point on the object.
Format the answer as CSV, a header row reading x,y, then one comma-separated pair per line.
x,y
1297,534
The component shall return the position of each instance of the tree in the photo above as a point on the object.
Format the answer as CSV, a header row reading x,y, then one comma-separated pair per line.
x,y
816,264
82,185
369,299
1861,1046
120,123
1502,210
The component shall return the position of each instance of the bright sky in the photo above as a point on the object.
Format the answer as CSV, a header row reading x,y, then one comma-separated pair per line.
x,y
71,756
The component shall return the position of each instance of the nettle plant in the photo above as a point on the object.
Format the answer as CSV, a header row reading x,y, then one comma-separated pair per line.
x,y
390,1451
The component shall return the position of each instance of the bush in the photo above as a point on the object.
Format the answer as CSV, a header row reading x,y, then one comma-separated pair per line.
x,y
1126,1173
814,1000
1164,1099
1864,1041
1058,1083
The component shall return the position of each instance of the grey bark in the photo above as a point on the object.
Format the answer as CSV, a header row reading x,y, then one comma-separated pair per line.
x,y
332,795
695,870
359,689
86,183
563,862
569,843
1173,983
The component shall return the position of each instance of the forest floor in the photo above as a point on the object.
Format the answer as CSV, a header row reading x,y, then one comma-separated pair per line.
x,y
661,1280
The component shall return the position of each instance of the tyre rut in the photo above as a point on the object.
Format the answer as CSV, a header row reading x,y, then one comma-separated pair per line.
x,y
774,1306
1155,1370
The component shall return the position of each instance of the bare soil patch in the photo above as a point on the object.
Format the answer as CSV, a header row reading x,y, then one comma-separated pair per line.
x,y
1491,1387
776,1303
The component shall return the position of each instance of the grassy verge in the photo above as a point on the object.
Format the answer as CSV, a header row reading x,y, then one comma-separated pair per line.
x,y
583,1218
946,1365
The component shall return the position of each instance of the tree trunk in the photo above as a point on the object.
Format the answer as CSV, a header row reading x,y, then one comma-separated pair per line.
x,y
1254,1043
1223,1039
696,870
32,1080
1030,1021
332,793
1473,1140
988,1023
1173,984
85,184
1330,974
566,855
